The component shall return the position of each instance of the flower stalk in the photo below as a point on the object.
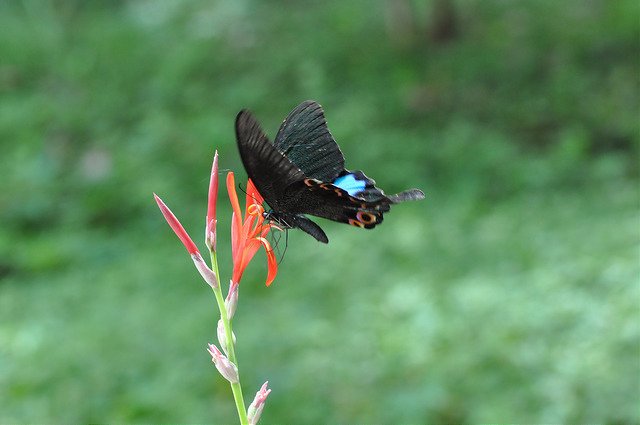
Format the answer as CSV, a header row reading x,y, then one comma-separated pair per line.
x,y
247,236
236,388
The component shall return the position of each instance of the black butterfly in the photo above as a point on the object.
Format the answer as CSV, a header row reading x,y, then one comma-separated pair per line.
x,y
303,172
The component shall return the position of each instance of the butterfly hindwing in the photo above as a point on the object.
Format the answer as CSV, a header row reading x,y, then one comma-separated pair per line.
x,y
331,202
357,184
305,139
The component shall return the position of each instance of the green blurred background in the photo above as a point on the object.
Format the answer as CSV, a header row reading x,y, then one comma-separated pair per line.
x,y
511,294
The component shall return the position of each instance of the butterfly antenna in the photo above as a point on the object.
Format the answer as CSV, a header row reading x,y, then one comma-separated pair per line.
x,y
245,192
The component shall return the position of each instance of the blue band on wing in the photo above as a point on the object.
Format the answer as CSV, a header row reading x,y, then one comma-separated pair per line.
x,y
349,183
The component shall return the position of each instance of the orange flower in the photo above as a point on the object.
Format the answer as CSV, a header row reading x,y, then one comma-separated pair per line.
x,y
249,235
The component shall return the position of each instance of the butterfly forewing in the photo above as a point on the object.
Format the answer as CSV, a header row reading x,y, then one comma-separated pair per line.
x,y
305,139
269,170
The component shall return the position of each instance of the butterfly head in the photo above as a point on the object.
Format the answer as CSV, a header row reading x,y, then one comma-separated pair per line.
x,y
281,220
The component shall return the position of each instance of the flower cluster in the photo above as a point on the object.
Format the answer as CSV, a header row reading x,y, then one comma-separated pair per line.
x,y
248,234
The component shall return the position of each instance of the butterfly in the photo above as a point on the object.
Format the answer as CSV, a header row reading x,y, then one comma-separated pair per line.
x,y
302,172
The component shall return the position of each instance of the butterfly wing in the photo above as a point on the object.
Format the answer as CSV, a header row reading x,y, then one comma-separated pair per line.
x,y
305,140
269,169
311,196
358,185
303,173
337,202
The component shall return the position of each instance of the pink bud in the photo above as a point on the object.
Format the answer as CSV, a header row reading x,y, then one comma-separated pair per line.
x,y
210,238
227,369
255,408
222,337
207,274
231,302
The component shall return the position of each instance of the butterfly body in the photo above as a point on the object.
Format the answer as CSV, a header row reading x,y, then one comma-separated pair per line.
x,y
292,221
303,172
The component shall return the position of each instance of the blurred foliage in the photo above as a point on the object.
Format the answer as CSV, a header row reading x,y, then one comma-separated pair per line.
x,y
510,295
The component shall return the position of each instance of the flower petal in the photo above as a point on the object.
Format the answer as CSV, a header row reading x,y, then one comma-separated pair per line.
x,y
248,253
207,274
233,197
253,196
248,229
235,246
176,226
272,262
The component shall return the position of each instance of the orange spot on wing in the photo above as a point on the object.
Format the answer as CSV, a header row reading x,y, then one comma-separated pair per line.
x,y
326,186
355,223
365,217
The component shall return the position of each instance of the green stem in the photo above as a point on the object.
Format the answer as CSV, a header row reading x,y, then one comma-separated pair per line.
x,y
235,387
